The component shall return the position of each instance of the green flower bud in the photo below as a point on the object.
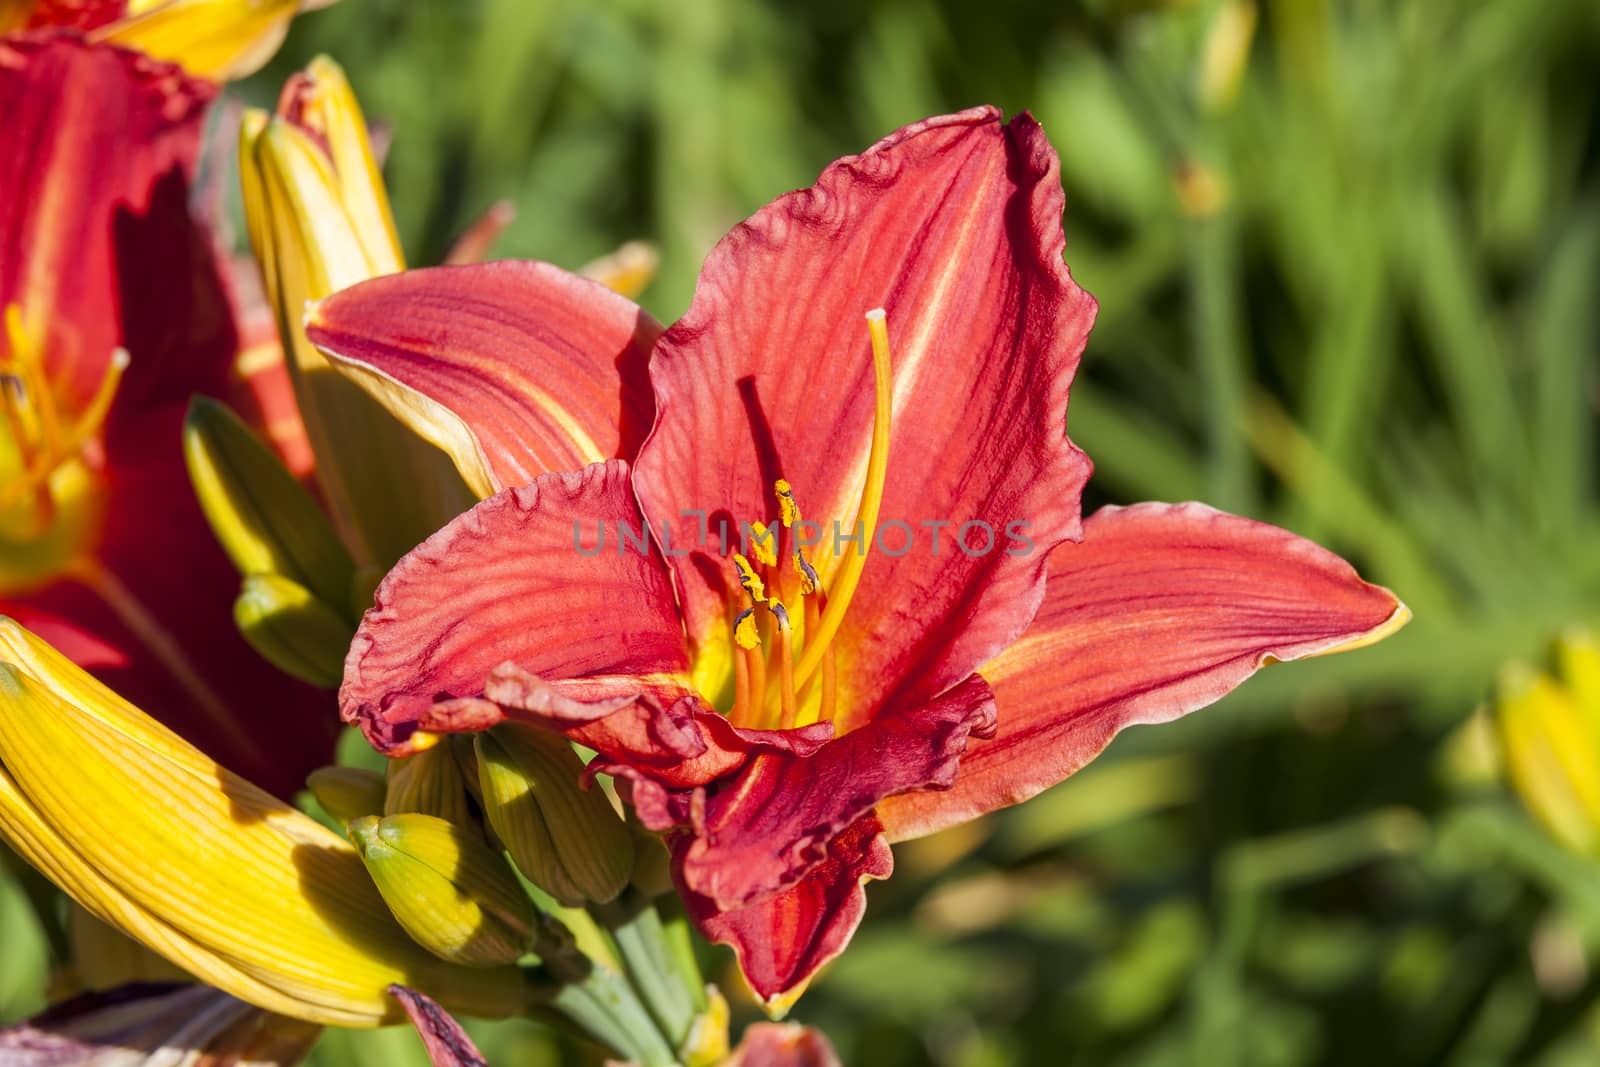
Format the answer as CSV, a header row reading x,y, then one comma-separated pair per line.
x,y
293,630
266,521
430,782
568,841
448,890
347,793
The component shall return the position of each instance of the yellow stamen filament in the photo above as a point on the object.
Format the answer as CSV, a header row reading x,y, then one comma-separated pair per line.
x,y
741,689
788,705
43,444
844,586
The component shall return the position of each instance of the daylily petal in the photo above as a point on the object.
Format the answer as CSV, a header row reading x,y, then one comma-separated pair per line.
x,y
783,1045
160,591
157,840
513,368
517,579
783,939
447,1043
95,140
1161,610
60,14
953,226
220,39
777,820
156,1023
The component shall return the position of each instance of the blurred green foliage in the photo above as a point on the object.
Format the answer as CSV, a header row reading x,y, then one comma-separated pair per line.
x,y
1348,259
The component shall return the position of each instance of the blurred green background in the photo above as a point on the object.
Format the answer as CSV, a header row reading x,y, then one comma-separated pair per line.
x,y
1348,262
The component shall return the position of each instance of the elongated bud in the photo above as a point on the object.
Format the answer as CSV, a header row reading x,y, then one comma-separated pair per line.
x,y
237,888
454,896
292,629
347,793
567,840
266,521
430,782
319,221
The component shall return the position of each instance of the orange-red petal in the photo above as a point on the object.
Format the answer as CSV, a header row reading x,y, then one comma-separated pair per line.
x,y
1161,610
539,369
953,226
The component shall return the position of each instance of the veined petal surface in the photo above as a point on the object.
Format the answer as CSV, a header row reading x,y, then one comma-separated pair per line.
x,y
1161,610
953,226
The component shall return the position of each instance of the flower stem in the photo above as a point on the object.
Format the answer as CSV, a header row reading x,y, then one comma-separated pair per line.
x,y
651,963
604,1006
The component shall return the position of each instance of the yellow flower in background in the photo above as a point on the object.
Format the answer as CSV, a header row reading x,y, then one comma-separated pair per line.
x,y
234,886
1549,725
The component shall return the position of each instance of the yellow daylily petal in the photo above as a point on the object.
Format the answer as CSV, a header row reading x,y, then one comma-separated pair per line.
x,y
1552,753
219,39
318,223
221,878
629,270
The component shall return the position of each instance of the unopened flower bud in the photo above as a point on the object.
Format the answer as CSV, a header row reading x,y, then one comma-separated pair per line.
x,y
264,518
347,793
568,841
447,889
292,629
431,783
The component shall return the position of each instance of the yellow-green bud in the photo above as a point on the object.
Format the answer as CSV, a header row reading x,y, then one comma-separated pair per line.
x,y
429,782
347,793
293,630
264,518
446,888
568,841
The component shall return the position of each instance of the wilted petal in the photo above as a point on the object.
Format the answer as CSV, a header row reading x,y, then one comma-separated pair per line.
x,y
782,939
952,225
1161,610
515,369
521,579
448,1045
177,1025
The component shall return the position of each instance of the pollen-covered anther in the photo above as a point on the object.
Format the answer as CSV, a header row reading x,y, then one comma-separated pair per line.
x,y
788,510
749,579
809,582
745,633
764,543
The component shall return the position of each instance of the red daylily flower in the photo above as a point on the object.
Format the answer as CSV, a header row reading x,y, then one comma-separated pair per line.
x,y
115,316
784,720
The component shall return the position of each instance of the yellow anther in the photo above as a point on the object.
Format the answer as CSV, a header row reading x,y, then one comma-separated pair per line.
x,y
788,510
849,575
764,543
744,630
749,579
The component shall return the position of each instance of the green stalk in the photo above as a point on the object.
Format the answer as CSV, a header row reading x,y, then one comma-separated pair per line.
x,y
604,1007
650,963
